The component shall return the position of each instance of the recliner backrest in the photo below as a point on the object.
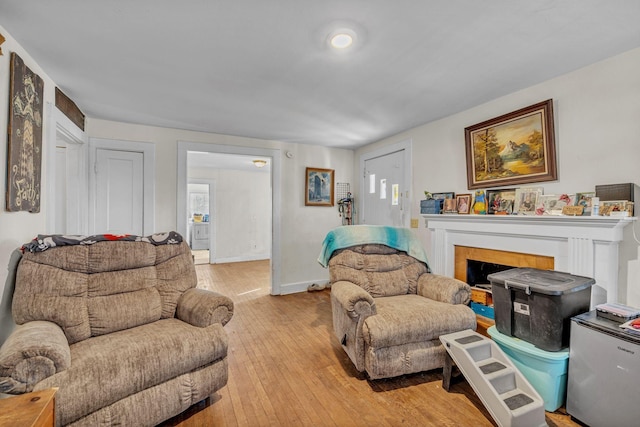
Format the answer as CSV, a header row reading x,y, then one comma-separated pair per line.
x,y
380,270
96,289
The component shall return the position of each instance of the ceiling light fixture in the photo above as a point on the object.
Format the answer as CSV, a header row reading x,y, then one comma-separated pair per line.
x,y
341,40
260,163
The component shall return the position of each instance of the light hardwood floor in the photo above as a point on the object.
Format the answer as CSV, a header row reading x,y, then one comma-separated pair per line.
x,y
287,369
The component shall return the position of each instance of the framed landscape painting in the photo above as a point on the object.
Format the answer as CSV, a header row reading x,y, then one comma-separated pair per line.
x,y
319,187
515,148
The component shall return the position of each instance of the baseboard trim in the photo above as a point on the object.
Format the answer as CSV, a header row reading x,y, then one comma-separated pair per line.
x,y
258,257
293,288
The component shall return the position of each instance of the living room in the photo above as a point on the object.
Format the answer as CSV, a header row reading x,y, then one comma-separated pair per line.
x,y
601,94
596,110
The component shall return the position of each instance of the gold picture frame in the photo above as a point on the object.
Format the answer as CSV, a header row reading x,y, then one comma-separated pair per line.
x,y
515,148
319,187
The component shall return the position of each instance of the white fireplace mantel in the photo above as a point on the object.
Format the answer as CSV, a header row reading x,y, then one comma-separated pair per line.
x,y
585,246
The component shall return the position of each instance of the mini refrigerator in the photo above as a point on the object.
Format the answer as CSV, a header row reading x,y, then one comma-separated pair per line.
x,y
604,372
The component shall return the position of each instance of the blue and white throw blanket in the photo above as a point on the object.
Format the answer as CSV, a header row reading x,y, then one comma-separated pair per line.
x,y
346,236
44,242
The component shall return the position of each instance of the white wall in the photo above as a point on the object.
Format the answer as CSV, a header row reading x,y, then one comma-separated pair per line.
x,y
303,228
242,221
17,228
597,123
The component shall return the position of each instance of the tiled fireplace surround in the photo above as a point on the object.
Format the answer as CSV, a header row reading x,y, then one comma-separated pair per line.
x,y
585,246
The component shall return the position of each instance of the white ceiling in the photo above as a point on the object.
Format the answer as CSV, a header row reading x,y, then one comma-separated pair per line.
x,y
262,69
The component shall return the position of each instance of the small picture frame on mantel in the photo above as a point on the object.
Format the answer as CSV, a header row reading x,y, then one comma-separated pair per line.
x,y
526,200
584,199
463,203
449,206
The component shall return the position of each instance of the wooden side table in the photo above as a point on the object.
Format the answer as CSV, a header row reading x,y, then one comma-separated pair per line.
x,y
36,409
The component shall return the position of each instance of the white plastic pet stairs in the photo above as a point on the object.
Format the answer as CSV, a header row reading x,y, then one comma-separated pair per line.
x,y
501,387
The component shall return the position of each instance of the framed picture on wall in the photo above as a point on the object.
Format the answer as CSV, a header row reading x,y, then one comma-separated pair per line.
x,y
515,148
319,187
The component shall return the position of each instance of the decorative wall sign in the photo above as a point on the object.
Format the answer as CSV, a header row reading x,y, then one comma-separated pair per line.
x,y
319,187
24,155
516,148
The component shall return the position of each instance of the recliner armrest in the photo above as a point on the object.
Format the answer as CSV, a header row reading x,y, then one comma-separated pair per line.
x,y
202,308
34,351
354,300
444,289
351,306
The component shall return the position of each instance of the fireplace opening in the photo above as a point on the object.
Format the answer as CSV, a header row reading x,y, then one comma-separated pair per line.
x,y
477,272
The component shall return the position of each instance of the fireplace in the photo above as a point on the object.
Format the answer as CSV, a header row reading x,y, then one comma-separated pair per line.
x,y
480,262
585,246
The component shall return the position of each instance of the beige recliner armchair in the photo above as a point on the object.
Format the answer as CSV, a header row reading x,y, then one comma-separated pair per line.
x,y
388,310
117,324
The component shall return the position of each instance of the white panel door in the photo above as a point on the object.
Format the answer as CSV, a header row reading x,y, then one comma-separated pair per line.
x,y
384,188
61,191
119,192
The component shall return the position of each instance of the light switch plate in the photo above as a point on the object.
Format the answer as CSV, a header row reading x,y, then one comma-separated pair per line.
x,y
414,222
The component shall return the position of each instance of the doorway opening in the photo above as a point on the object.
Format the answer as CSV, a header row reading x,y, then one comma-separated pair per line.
x,y
201,218
244,220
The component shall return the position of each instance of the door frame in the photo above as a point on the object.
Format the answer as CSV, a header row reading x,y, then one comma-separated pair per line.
x,y
148,150
405,194
76,141
276,194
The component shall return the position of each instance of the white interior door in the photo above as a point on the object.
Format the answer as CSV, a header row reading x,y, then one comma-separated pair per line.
x,y
61,191
385,190
119,192
67,184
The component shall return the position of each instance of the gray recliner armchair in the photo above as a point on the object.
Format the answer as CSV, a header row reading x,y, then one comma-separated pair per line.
x,y
117,324
388,310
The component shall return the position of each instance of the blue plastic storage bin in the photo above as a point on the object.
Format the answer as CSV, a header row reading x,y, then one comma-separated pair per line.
x,y
545,370
483,310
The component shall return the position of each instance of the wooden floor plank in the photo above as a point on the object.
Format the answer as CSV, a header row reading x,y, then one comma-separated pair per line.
x,y
286,368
